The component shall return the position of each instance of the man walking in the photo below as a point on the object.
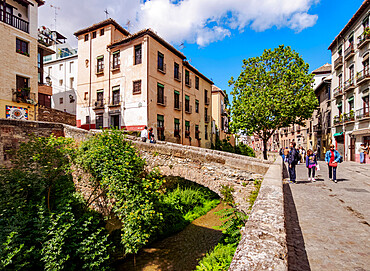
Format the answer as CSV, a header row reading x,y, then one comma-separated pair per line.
x,y
292,161
144,134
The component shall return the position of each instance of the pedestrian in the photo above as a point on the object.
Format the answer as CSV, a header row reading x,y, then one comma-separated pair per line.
x,y
332,158
311,163
292,161
362,151
144,134
286,153
281,153
151,135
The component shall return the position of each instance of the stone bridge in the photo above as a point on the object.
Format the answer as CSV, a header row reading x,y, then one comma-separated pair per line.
x,y
263,244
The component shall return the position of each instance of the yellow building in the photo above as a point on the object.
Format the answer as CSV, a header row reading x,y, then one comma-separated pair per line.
x,y
19,54
130,81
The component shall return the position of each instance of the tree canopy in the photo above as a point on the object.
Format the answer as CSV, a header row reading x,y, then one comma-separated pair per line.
x,y
273,90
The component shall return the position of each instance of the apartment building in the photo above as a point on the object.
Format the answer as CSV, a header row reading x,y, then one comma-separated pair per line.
x,y
220,116
20,58
130,81
60,71
350,83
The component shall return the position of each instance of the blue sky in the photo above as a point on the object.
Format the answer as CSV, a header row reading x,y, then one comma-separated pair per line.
x,y
217,34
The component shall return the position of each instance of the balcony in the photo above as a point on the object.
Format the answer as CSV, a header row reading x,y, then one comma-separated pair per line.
x,y
24,95
363,40
162,68
349,52
162,100
45,89
338,91
349,117
349,85
362,114
338,120
363,76
98,104
207,118
177,76
14,21
338,62
116,101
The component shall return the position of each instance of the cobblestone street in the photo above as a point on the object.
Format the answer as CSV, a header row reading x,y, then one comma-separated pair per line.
x,y
328,224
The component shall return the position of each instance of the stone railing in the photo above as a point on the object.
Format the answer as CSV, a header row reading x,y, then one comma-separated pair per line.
x,y
263,244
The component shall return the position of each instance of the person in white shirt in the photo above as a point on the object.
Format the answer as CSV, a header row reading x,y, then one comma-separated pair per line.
x,y
144,134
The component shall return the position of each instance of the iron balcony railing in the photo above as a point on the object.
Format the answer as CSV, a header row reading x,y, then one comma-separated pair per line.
x,y
338,119
363,40
14,21
338,91
347,117
363,76
98,103
349,52
338,62
362,113
24,95
349,84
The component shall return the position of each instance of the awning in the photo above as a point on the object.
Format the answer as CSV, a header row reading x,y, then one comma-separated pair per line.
x,y
177,92
100,57
177,121
350,99
339,105
160,85
116,52
361,132
187,97
160,117
338,134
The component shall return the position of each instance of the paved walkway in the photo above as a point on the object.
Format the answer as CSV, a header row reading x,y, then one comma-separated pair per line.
x,y
328,224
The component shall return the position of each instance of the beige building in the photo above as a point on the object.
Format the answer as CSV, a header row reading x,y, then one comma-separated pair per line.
x,y
351,80
19,52
220,116
130,81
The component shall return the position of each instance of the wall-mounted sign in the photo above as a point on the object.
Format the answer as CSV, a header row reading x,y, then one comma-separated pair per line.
x,y
14,112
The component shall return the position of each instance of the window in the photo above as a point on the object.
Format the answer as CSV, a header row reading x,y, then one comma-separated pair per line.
x,y
87,119
350,40
197,82
160,62
340,81
44,100
99,121
187,128
366,67
176,131
340,50
86,37
71,64
177,100
60,100
206,117
71,82
187,78
160,94
116,60
94,34
351,74
49,70
196,106
365,22
100,98
160,127
187,104
100,64
366,105
61,82
206,100
86,96
23,90
350,104
116,95
138,54
60,67
22,47
102,32
137,87
206,132
197,132
176,71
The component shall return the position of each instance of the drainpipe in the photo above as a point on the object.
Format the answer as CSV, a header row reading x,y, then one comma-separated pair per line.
x,y
147,81
182,105
109,63
90,82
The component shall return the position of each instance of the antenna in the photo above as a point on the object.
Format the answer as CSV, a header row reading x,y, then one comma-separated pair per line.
x,y
128,24
55,15
106,13
182,46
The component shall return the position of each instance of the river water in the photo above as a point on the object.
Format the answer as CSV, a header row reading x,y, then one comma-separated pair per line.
x,y
182,250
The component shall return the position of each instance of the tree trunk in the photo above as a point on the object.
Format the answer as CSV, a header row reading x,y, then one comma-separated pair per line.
x,y
264,148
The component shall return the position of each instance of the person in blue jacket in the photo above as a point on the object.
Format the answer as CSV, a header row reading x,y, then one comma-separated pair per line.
x,y
292,161
332,158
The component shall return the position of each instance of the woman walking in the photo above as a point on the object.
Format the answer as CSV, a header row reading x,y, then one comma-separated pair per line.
x,y
311,163
332,158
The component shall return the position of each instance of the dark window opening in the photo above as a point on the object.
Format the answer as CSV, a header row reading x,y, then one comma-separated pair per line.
x,y
22,47
176,131
137,87
99,121
197,82
160,127
160,62
86,37
176,71
196,106
94,34
116,96
116,60
187,103
187,128
138,52
102,32
177,100
160,94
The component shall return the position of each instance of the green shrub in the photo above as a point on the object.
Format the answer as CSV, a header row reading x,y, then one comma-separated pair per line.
x,y
219,259
225,145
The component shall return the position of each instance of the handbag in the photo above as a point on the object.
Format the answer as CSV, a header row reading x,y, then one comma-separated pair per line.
x,y
318,167
332,164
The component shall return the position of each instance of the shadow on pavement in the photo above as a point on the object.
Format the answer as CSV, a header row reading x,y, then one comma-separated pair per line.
x,y
297,256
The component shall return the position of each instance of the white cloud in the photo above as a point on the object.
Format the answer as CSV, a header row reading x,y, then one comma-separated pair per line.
x,y
193,21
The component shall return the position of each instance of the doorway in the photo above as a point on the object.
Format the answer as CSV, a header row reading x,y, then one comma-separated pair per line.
x,y
352,149
114,121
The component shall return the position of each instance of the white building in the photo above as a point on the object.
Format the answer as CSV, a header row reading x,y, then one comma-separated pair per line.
x,y
350,84
60,70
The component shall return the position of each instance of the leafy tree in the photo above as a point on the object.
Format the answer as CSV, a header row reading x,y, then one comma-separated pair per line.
x,y
273,90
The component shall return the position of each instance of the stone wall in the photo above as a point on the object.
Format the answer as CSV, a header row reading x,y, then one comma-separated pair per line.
x,y
54,115
263,244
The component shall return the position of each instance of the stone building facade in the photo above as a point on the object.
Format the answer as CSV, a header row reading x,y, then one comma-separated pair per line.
x,y
351,80
130,81
18,53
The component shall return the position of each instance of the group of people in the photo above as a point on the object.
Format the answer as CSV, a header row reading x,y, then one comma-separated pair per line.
x,y
363,150
294,156
145,135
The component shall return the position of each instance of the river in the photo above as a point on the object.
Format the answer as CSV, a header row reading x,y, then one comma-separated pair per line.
x,y
182,250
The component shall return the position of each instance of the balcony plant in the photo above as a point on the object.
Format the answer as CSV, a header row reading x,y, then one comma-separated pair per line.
x,y
22,53
352,115
340,117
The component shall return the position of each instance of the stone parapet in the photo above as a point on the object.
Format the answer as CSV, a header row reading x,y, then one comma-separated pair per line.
x,y
263,244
